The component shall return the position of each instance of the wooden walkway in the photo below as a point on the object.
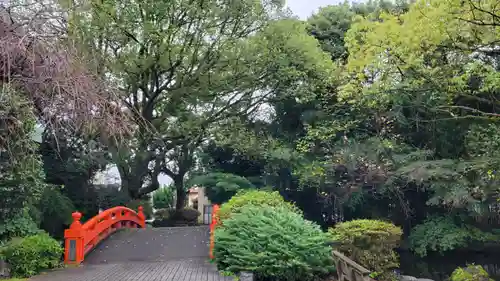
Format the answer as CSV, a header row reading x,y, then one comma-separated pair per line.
x,y
150,254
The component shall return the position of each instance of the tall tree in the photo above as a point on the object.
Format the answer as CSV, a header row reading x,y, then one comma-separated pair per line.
x,y
189,68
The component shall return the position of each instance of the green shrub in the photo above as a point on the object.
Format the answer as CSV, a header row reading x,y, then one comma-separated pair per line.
x,y
163,198
255,198
20,224
272,242
440,234
172,217
29,256
55,211
220,187
370,243
470,273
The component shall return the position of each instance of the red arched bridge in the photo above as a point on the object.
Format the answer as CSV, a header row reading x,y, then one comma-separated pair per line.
x,y
136,252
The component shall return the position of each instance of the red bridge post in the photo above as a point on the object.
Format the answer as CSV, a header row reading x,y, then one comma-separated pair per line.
x,y
74,241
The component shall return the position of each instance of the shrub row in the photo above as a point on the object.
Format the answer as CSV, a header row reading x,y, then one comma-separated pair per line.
x,y
259,231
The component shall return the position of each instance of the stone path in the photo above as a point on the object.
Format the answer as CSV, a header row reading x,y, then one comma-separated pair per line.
x,y
151,254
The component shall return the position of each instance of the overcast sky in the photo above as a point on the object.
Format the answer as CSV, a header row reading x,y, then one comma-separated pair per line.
x,y
304,8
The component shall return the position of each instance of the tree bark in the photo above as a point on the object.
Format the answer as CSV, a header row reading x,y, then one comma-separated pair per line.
x,y
181,193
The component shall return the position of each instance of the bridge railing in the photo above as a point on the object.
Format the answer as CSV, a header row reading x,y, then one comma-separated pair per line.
x,y
80,238
349,270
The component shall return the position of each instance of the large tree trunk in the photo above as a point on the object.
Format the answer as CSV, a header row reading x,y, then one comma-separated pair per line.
x,y
181,193
185,162
129,183
133,173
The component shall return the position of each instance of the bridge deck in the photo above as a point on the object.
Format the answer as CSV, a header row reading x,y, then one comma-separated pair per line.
x,y
151,254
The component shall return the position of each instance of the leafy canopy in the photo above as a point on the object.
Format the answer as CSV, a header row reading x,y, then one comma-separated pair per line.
x,y
190,70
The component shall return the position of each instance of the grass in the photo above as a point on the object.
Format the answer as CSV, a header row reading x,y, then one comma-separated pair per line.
x,y
15,279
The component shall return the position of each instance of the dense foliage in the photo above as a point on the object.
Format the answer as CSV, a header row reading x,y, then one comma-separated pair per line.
x,y
20,224
21,175
406,132
54,212
440,234
371,243
184,89
381,110
272,242
29,256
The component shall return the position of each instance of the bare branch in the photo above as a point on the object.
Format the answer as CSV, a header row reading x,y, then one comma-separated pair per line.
x,y
52,75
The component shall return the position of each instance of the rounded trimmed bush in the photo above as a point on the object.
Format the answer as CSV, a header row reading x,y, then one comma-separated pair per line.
x,y
255,198
370,243
470,273
272,242
33,254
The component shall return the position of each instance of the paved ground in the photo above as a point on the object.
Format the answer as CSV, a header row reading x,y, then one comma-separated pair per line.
x,y
151,254
152,244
